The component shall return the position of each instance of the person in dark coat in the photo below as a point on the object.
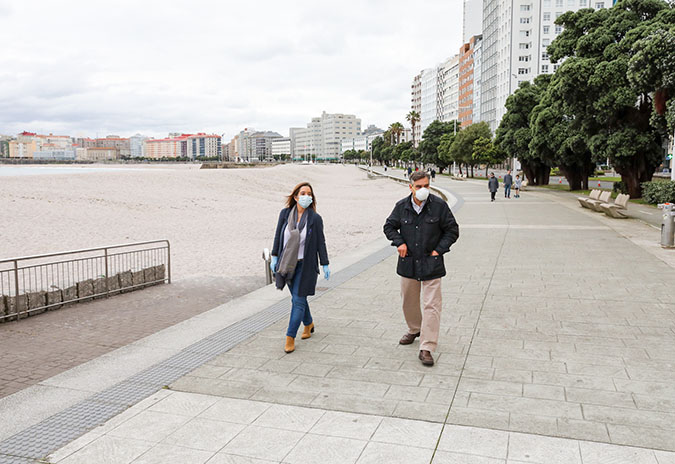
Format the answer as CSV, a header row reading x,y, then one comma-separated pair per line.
x,y
422,228
508,181
299,247
493,186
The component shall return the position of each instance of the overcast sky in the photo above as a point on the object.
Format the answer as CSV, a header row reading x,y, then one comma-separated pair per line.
x,y
88,68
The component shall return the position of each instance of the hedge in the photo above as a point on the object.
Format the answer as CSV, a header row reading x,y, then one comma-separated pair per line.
x,y
656,192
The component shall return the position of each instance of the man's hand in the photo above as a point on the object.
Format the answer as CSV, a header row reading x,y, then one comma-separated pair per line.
x,y
434,253
402,250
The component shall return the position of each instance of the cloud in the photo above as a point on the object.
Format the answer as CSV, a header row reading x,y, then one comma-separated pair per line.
x,y
155,67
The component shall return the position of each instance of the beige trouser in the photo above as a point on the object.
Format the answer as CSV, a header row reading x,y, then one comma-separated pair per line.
x,y
427,323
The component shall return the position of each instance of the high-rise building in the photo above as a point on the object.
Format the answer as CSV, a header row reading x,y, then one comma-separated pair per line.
x,y
261,145
27,143
416,104
469,81
203,145
321,139
430,102
136,146
170,147
449,88
515,37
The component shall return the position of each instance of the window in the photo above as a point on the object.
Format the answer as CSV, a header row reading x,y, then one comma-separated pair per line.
x,y
524,46
524,20
583,3
599,5
558,3
547,3
544,56
555,67
547,16
524,7
547,29
544,68
558,14
546,42
558,29
523,70
571,3
524,58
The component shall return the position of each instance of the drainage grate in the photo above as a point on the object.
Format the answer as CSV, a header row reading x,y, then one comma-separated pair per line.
x,y
36,442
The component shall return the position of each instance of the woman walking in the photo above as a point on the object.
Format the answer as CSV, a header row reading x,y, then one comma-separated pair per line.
x,y
300,243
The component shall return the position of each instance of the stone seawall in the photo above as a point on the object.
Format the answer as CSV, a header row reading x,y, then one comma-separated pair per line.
x,y
12,307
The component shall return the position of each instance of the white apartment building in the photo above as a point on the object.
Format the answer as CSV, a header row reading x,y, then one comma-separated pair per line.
x,y
516,34
321,139
416,104
430,102
477,77
281,147
203,145
61,155
449,88
136,145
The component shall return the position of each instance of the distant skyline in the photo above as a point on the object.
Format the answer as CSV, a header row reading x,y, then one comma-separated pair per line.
x,y
78,68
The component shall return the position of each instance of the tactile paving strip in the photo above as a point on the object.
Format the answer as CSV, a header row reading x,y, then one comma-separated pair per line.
x,y
36,442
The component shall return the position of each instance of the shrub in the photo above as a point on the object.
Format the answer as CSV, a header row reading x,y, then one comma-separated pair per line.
x,y
656,192
620,187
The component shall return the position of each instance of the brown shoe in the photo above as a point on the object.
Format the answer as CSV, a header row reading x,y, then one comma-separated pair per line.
x,y
290,344
426,358
408,338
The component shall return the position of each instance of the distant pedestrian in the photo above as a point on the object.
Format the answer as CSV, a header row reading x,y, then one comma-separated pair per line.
x,y
422,228
433,174
493,186
300,243
409,171
508,181
518,184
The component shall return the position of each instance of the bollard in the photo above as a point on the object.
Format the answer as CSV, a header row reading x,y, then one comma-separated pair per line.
x,y
667,225
267,258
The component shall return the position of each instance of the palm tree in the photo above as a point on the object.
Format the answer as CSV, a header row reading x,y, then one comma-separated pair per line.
x,y
396,131
413,118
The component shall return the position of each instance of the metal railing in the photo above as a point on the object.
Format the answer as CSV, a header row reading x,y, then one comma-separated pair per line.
x,y
31,284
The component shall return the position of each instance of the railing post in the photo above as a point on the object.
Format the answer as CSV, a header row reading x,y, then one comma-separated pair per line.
x,y
16,288
107,286
168,260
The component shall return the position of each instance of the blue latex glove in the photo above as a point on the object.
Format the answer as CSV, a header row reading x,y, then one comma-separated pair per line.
x,y
273,263
326,272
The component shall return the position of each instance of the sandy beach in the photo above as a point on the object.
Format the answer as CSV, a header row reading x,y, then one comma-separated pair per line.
x,y
218,221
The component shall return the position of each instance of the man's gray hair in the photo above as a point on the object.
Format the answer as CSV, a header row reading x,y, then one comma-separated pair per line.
x,y
417,175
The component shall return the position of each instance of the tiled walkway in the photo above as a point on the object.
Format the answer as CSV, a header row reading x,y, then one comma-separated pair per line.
x,y
557,347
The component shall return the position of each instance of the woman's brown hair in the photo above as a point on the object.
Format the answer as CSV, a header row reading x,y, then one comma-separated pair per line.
x,y
290,200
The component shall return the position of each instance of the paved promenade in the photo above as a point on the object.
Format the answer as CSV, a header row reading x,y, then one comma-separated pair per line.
x,y
557,346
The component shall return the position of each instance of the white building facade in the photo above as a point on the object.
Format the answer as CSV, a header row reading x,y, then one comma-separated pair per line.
x,y
516,34
449,88
321,140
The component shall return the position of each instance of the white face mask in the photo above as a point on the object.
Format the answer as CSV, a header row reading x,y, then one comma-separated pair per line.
x,y
422,194
304,200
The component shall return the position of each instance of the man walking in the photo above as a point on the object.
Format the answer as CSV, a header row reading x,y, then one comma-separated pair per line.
x,y
493,186
508,181
422,228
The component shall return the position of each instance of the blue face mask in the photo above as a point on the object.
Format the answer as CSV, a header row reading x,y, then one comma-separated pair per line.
x,y
305,200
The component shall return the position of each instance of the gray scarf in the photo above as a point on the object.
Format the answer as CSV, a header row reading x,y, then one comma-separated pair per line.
x,y
289,255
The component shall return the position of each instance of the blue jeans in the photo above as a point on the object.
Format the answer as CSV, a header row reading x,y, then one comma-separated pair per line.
x,y
507,190
299,306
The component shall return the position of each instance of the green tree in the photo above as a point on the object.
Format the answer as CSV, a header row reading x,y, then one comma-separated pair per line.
x,y
431,139
514,134
596,94
413,118
377,145
462,147
651,68
486,152
396,130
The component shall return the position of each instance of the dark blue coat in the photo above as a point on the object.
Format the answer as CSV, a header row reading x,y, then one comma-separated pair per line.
x,y
315,248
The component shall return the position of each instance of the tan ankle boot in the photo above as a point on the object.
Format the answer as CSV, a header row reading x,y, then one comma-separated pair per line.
x,y
290,345
308,331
